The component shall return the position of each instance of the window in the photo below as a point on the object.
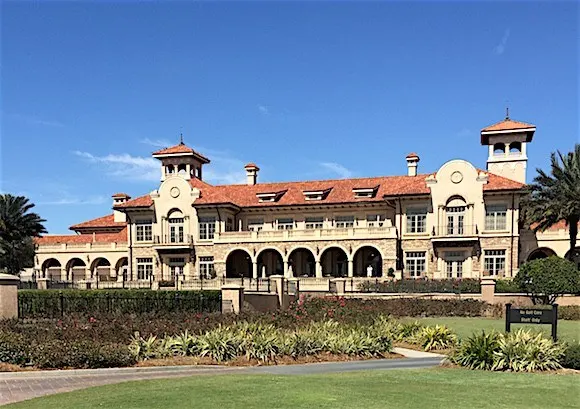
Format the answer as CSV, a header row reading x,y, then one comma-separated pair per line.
x,y
416,220
375,220
144,230
495,217
415,262
255,224
494,261
285,224
365,192
206,228
314,222
176,267
206,269
455,220
454,263
176,230
230,224
144,268
343,222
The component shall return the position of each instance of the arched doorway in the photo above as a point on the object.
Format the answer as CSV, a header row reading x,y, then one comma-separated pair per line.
x,y
575,256
366,257
122,268
270,262
76,269
51,269
334,262
101,269
301,263
238,264
541,252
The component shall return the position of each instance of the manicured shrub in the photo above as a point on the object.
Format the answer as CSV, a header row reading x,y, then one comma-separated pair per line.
x,y
506,286
14,349
548,278
82,354
571,358
569,312
523,351
53,303
453,286
478,351
435,337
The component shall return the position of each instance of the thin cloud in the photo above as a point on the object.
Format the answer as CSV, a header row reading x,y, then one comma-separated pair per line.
x,y
500,48
263,109
97,200
158,143
32,120
338,169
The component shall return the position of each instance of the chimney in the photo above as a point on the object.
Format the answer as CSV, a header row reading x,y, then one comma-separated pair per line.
x,y
412,162
251,173
118,198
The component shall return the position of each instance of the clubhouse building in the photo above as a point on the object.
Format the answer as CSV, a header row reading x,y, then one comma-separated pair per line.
x,y
459,221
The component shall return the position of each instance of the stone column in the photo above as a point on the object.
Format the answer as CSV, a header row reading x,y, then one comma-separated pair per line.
x,y
488,289
42,283
318,269
350,268
232,298
254,269
285,269
8,296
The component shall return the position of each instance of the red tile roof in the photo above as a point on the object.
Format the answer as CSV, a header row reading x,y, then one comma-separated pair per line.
x,y
121,195
251,166
561,225
100,222
507,125
181,148
496,182
118,237
412,155
141,201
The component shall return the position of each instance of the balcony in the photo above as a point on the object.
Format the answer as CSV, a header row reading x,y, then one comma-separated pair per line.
x,y
305,235
455,232
184,241
78,247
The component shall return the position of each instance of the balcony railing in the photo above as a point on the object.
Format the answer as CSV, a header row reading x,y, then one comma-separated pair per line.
x,y
304,234
455,230
173,240
92,246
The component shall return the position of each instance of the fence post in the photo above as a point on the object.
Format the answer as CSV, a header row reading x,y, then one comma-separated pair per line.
x,y
555,322
508,323
61,303
8,296
232,298
488,289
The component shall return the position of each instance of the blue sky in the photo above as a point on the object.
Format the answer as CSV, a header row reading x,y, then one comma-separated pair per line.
x,y
307,90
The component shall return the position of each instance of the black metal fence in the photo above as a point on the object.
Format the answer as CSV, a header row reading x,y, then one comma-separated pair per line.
x,y
53,304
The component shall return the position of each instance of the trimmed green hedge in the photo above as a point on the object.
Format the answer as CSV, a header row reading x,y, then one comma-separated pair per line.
x,y
452,286
54,303
506,286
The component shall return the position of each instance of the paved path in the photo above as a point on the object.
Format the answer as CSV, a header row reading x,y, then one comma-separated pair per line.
x,y
18,386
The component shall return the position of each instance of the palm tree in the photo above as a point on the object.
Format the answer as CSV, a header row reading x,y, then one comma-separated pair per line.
x,y
18,225
556,196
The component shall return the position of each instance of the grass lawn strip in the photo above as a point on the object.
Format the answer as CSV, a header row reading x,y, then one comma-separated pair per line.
x,y
432,388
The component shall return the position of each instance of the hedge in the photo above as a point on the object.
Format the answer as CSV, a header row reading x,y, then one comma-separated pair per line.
x,y
54,303
453,286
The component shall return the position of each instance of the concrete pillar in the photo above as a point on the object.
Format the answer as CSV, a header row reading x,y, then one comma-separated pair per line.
x,y
232,298
285,268
42,283
254,269
488,289
8,296
350,268
277,286
339,285
318,269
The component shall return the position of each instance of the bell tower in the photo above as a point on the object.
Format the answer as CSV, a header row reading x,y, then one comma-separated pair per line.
x,y
506,141
180,160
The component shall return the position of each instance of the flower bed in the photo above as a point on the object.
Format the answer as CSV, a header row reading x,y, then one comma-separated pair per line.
x,y
452,286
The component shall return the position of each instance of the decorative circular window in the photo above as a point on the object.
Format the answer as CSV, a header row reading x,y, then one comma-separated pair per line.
x,y
174,192
456,177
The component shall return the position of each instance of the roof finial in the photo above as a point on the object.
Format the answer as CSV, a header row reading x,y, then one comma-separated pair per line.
x,y
507,113
181,138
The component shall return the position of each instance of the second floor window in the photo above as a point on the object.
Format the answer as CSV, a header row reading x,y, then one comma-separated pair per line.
x,y
255,224
176,230
314,222
375,220
206,228
416,220
285,224
144,230
342,222
495,217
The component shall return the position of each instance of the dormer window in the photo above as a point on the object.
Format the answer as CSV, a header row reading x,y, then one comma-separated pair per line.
x,y
315,194
365,192
269,196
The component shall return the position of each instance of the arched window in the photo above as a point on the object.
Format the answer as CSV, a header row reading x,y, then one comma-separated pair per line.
x,y
455,211
176,221
515,148
499,149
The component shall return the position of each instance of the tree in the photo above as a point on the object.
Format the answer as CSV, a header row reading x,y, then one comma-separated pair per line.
x,y
556,196
18,227
546,279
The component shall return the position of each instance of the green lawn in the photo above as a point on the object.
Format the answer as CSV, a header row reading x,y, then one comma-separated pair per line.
x,y
430,388
465,326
